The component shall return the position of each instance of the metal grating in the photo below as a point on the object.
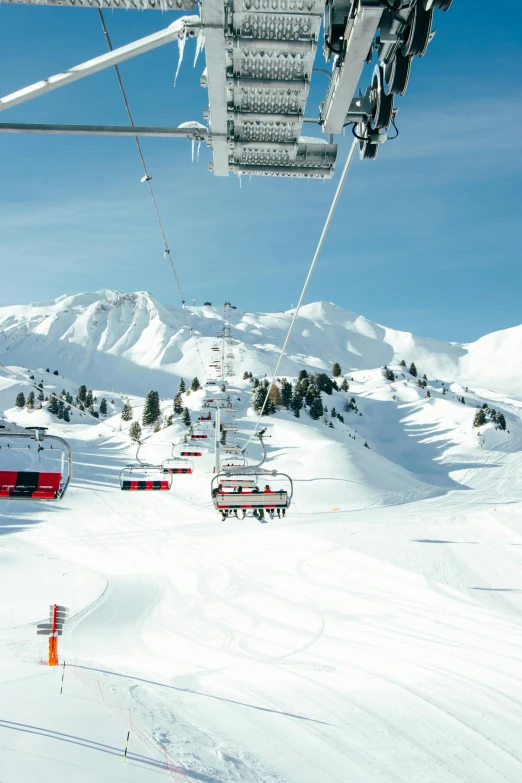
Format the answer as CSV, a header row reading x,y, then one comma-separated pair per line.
x,y
279,66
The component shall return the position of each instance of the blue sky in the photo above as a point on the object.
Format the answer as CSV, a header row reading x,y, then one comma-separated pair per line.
x,y
426,238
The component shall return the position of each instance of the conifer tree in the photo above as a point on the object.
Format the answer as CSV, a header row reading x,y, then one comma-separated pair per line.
x,y
223,438
103,406
82,393
316,409
275,396
195,385
61,407
428,393
66,417
247,375
135,431
286,393
127,413
302,375
402,363
336,370
296,404
182,387
480,418
255,383
20,400
178,404
389,374
345,385
53,404
41,393
500,421
186,417
413,370
151,409
258,398
30,401
88,402
168,421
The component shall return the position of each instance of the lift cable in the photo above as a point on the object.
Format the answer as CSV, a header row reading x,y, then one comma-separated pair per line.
x,y
147,178
324,232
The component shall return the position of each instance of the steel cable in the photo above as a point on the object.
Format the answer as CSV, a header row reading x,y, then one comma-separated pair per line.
x,y
318,249
147,178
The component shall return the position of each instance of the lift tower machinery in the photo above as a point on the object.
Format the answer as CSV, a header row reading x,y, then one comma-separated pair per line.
x,y
260,57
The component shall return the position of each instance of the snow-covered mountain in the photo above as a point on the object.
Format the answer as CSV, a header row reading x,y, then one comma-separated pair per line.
x,y
131,343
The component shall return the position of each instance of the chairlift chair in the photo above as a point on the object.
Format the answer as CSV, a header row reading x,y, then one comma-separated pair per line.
x,y
18,484
227,499
205,418
231,449
198,436
231,463
145,477
190,452
230,427
177,465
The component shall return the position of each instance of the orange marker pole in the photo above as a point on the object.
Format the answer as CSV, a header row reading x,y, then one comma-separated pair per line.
x,y
53,642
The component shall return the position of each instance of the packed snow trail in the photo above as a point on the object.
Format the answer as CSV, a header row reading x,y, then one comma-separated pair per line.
x,y
378,645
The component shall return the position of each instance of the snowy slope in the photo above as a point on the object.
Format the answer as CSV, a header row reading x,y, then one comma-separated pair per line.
x,y
373,635
131,343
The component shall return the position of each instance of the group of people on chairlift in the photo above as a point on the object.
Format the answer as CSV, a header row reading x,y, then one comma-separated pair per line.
x,y
257,512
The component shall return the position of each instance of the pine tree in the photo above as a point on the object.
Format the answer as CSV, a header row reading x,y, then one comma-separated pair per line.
x,y
182,387
41,393
127,413
341,418
296,404
331,425
178,404
55,372
61,407
82,393
402,363
323,382
302,375
336,370
413,370
500,421
66,416
195,385
53,404
255,383
30,401
186,417
258,398
428,393
463,401
88,402
151,409
389,374
135,431
247,375
223,438
20,400
168,420
480,418
312,394
316,409
286,393
345,385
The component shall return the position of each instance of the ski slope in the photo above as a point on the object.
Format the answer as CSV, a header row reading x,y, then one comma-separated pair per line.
x,y
374,634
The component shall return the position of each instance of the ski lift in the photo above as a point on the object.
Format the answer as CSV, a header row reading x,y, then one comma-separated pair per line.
x,y
233,462
231,449
211,383
198,436
16,484
177,465
262,490
230,409
205,418
230,427
144,477
215,348
186,452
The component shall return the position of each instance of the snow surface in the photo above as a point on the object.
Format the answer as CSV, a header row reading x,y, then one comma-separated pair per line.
x,y
374,634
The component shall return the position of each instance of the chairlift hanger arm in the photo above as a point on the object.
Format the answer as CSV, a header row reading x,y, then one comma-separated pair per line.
x,y
198,133
186,26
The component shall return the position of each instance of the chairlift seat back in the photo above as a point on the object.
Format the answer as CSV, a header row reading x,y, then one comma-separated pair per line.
x,y
225,500
132,484
191,453
30,485
238,481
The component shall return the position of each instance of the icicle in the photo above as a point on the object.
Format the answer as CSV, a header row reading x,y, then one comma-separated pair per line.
x,y
193,150
240,176
197,153
181,49
200,43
